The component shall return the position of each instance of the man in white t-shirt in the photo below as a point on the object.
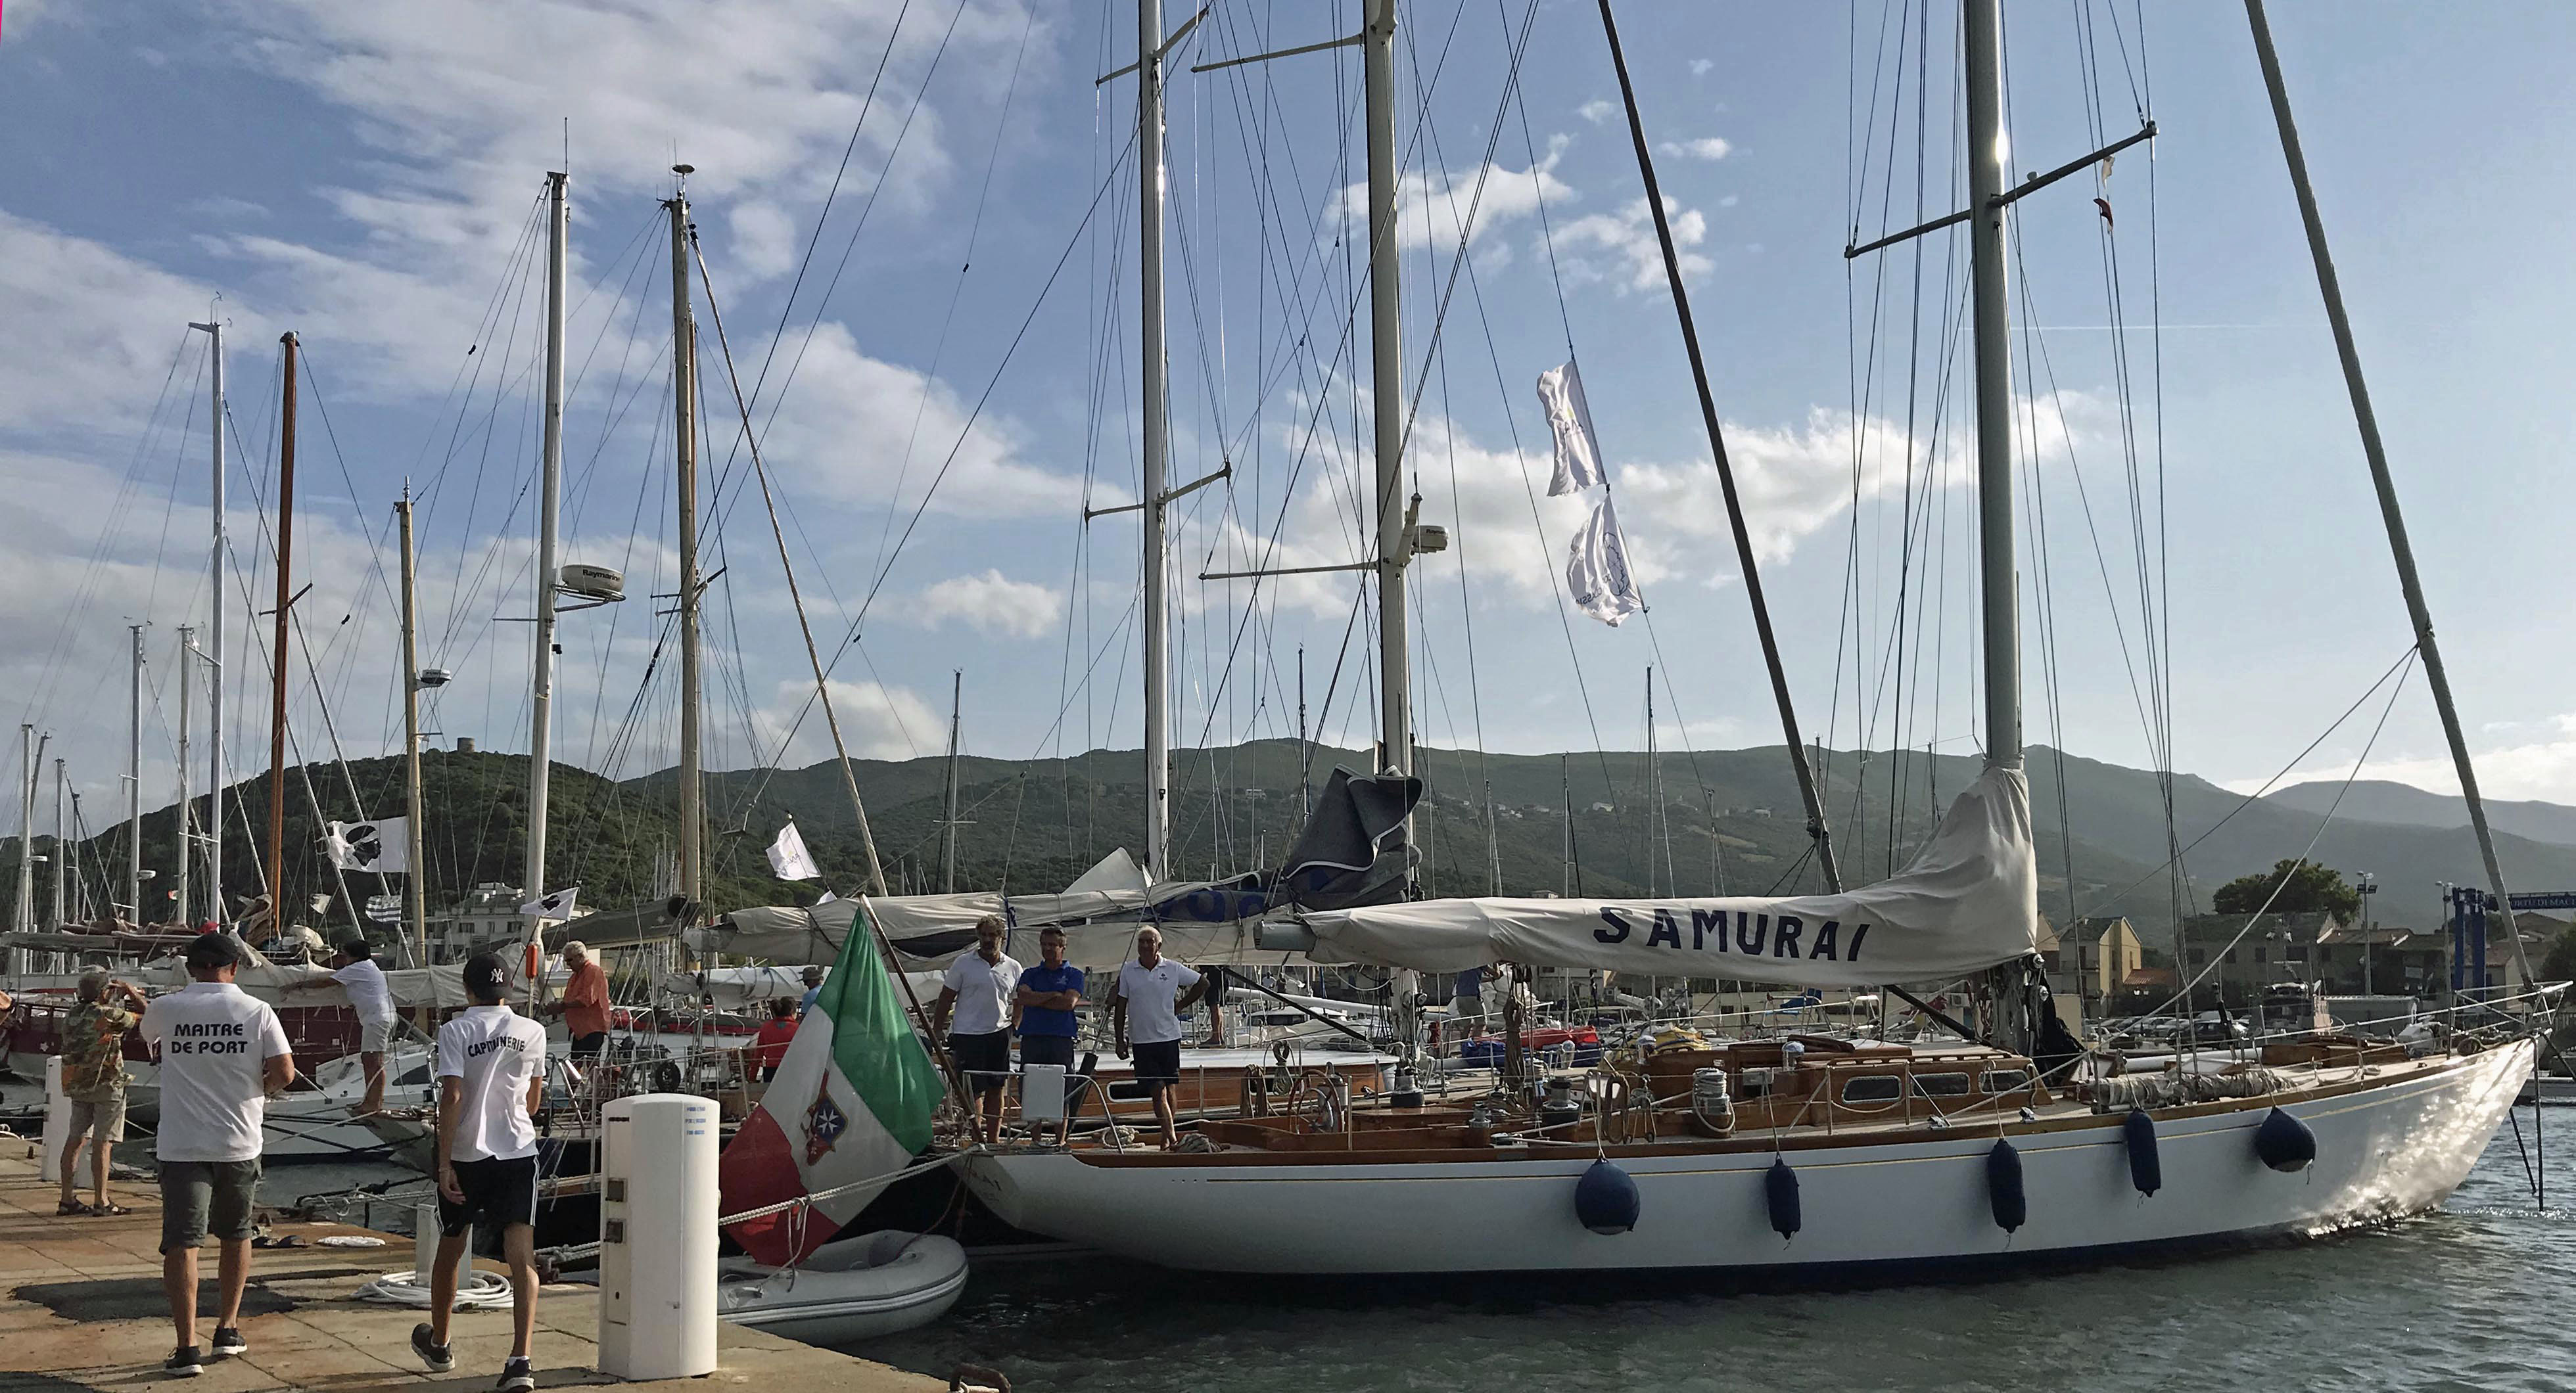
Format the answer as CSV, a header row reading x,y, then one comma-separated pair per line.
x,y
223,1056
491,1079
979,987
1146,1007
354,971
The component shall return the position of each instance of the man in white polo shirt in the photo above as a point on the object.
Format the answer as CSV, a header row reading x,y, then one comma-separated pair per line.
x,y
979,986
223,1056
371,998
1146,1007
491,1078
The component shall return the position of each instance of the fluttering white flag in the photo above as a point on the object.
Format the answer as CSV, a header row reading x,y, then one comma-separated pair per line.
x,y
1596,569
555,905
369,846
788,858
1569,419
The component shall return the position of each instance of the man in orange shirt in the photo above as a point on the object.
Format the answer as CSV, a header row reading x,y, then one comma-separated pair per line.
x,y
584,1003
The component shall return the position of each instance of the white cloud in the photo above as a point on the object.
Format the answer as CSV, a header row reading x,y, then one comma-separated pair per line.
x,y
993,603
1597,110
1431,207
91,331
877,722
764,239
2542,769
1707,147
842,437
1699,67
1630,259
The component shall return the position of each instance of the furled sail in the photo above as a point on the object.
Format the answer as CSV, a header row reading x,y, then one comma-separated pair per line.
x,y
1969,901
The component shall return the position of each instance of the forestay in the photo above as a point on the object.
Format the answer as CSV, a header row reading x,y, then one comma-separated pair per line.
x,y
1969,901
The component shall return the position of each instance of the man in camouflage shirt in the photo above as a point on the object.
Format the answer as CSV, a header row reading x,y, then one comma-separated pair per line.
x,y
94,1080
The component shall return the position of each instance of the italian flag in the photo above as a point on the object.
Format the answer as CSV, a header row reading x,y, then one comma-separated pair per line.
x,y
852,1102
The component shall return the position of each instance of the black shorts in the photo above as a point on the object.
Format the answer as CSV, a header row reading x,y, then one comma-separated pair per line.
x,y
1158,1063
593,1044
207,1197
502,1191
1046,1049
985,1060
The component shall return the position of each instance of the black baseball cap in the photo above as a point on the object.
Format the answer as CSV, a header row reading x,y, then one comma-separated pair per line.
x,y
486,978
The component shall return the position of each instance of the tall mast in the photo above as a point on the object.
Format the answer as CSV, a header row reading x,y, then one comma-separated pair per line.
x,y
1654,785
948,825
1386,386
415,895
541,687
24,920
62,838
179,809
1987,153
1149,241
278,653
1817,828
215,639
134,780
1305,752
684,395
2436,676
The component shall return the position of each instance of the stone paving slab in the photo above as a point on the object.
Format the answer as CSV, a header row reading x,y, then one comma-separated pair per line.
x,y
80,1308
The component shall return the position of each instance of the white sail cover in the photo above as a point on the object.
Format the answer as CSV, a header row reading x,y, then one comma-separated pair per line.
x,y
1970,901
1569,420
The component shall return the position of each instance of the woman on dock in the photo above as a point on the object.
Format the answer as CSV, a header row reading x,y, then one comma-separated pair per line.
x,y
94,1080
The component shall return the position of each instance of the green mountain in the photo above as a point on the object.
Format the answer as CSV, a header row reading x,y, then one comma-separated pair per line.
x,y
1725,821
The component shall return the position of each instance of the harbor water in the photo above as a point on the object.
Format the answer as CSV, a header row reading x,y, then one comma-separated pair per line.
x,y
2476,1296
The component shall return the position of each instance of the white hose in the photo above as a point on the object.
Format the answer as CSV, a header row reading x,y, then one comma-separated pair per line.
x,y
479,1291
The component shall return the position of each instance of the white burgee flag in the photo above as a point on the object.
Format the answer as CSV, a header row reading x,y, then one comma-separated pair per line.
x,y
369,846
1569,419
557,905
1596,569
788,858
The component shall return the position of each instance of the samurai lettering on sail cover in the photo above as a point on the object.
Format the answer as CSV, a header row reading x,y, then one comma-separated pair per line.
x,y
1969,901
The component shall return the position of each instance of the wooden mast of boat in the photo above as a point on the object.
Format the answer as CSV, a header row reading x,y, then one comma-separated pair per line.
x,y
415,897
2330,287
684,436
1156,446
278,652
214,331
549,504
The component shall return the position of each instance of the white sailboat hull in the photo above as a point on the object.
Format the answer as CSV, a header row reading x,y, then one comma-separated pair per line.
x,y
2382,1152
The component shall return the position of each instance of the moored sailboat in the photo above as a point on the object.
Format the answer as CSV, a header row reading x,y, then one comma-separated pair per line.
x,y
1818,1153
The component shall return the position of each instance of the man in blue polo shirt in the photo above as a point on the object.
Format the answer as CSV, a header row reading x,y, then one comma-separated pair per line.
x,y
1045,1003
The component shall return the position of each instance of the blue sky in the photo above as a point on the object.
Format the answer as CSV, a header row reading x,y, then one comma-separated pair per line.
x,y
365,174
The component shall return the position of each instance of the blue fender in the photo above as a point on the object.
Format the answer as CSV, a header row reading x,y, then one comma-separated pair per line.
x,y
2284,1143
2146,1168
2003,1186
1780,1193
1606,1200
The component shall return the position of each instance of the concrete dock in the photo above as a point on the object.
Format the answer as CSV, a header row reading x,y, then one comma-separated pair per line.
x,y
81,1307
